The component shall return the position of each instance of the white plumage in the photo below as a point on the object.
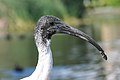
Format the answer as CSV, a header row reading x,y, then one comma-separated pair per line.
x,y
44,65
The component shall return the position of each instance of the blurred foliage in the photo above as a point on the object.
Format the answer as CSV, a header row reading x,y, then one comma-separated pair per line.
x,y
35,8
102,3
113,2
21,15
75,7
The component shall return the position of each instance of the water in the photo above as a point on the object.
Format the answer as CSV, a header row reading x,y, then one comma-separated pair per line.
x,y
74,59
76,72
72,65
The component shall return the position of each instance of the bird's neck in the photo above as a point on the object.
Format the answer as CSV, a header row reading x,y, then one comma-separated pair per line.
x,y
44,65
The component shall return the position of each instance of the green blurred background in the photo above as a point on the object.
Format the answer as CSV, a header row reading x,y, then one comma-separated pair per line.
x,y
76,58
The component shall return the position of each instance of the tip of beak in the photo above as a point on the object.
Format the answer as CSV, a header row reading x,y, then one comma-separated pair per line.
x,y
103,55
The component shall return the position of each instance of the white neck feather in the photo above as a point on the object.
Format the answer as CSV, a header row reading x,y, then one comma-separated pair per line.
x,y
44,65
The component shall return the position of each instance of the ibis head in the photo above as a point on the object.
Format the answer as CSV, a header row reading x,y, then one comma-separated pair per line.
x,y
50,25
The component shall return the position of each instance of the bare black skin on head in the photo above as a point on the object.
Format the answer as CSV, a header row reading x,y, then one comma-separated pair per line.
x,y
50,25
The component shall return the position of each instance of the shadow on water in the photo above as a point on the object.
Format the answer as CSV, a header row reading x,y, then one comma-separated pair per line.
x,y
74,59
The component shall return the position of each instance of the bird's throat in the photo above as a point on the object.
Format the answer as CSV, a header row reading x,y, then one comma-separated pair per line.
x,y
45,62
44,65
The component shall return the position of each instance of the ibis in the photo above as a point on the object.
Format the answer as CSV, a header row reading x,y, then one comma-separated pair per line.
x,y
46,27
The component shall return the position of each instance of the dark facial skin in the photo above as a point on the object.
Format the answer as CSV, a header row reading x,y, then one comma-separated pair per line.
x,y
50,25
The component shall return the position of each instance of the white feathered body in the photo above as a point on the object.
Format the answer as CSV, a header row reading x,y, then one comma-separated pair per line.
x,y
44,65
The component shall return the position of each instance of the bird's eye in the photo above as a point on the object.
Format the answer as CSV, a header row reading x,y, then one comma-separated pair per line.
x,y
52,23
42,28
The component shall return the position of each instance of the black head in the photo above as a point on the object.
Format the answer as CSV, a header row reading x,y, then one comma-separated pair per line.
x,y
49,25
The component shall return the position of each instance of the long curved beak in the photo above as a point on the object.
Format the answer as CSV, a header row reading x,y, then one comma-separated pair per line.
x,y
75,32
